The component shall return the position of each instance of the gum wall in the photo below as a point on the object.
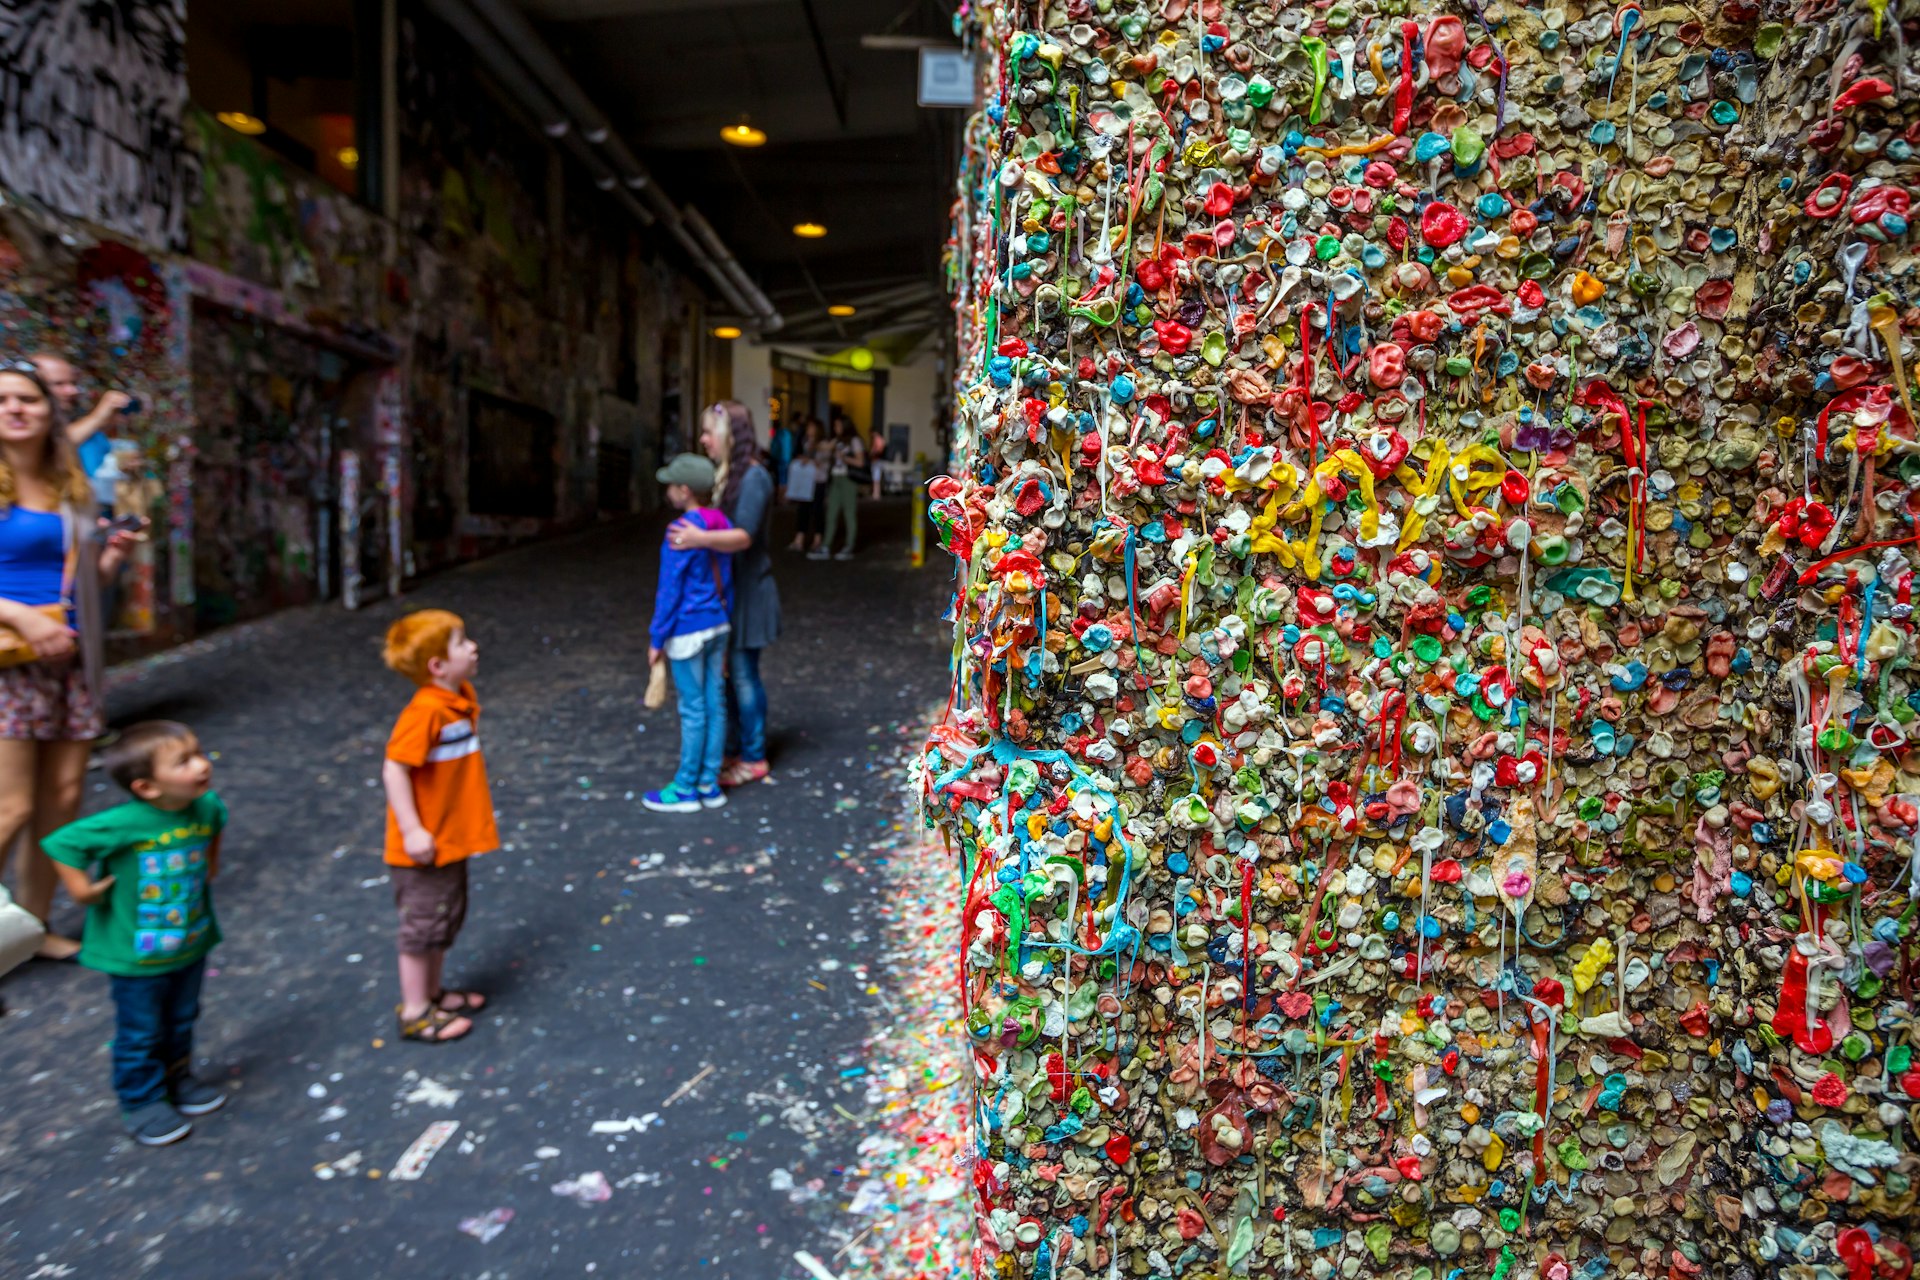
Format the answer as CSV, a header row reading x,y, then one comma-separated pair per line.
x,y
1433,518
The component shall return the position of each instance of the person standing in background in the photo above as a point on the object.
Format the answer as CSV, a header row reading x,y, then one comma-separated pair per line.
x,y
50,566
745,495
805,488
89,432
822,449
92,439
876,454
780,454
845,478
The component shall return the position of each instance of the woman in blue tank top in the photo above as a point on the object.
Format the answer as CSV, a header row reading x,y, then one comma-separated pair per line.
x,y
49,708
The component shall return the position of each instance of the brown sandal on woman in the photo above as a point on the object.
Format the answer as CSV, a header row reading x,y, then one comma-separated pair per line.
x,y
431,1026
741,772
465,1001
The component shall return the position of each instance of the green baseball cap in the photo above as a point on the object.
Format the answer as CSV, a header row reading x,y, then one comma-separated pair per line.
x,y
689,469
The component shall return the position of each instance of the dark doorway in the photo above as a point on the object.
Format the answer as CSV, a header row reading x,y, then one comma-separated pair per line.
x,y
273,410
511,469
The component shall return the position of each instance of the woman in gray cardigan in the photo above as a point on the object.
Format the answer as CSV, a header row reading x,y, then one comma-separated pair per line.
x,y
745,493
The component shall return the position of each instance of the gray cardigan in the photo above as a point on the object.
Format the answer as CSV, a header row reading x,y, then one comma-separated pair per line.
x,y
756,599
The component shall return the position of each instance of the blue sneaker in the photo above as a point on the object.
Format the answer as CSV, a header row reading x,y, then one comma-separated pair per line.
x,y
672,798
713,797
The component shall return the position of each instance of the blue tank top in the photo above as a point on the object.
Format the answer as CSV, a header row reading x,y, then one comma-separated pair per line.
x,y
33,556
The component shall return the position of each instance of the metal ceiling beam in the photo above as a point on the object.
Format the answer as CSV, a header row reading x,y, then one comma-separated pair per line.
x,y
552,121
893,297
578,114
836,87
886,284
878,322
588,10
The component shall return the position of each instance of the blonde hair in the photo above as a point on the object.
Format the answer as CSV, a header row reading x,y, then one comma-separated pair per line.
x,y
59,465
742,449
417,639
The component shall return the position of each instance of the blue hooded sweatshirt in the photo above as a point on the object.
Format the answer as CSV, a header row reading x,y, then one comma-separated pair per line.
x,y
696,586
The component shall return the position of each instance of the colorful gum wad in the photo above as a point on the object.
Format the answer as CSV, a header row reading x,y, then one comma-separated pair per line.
x,y
1433,509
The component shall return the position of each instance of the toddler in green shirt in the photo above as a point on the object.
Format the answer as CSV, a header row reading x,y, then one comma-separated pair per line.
x,y
144,870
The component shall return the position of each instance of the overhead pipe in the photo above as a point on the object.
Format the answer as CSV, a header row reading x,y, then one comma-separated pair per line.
x,y
729,265
762,314
526,42
514,53
740,291
552,120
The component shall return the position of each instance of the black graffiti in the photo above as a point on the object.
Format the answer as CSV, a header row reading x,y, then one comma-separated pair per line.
x,y
92,112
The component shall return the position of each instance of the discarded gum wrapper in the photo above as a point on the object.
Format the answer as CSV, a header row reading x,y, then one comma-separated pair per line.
x,y
632,1124
814,1266
488,1225
415,1159
588,1188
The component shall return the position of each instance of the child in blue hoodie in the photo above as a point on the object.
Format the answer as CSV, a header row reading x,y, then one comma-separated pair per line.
x,y
690,632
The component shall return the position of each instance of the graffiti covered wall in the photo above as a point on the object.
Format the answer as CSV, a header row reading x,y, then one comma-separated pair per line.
x,y
91,105
105,305
1434,656
299,334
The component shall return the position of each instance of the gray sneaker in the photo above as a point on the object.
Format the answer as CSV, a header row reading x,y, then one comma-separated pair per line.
x,y
157,1124
193,1097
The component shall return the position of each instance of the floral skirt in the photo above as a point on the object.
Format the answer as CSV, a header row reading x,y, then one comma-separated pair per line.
x,y
49,702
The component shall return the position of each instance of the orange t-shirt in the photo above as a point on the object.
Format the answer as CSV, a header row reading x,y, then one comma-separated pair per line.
x,y
438,737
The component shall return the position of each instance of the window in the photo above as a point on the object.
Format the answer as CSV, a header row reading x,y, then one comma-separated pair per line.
x,y
294,75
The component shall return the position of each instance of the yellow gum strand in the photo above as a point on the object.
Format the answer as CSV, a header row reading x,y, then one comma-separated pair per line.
x,y
1423,487
1462,491
1349,462
1380,143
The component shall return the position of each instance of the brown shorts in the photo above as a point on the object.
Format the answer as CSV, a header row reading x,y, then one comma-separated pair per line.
x,y
433,905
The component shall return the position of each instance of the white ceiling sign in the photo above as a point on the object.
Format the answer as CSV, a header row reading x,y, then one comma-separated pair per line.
x,y
946,78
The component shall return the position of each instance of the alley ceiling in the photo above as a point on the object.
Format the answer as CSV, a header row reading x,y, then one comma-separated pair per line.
x,y
848,147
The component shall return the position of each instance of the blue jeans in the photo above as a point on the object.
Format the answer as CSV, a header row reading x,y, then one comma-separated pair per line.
x,y
702,685
153,1021
747,710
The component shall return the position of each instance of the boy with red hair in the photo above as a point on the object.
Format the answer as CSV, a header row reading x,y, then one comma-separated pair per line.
x,y
439,814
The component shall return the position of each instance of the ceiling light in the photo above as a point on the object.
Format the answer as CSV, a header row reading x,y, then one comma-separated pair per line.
x,y
744,135
726,332
241,122
840,309
861,358
349,157
809,230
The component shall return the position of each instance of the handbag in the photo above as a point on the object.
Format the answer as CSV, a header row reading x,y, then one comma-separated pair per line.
x,y
21,933
14,649
657,685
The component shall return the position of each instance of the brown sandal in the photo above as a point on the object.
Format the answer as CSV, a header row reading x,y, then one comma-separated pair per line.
x,y
430,1027
469,1001
742,772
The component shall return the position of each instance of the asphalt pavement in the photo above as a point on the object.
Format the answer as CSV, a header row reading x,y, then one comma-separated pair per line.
x,y
693,986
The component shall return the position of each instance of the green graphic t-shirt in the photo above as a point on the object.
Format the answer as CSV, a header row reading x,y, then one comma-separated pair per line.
x,y
159,914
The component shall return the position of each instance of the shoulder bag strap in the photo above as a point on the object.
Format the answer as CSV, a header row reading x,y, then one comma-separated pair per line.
x,y
69,534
